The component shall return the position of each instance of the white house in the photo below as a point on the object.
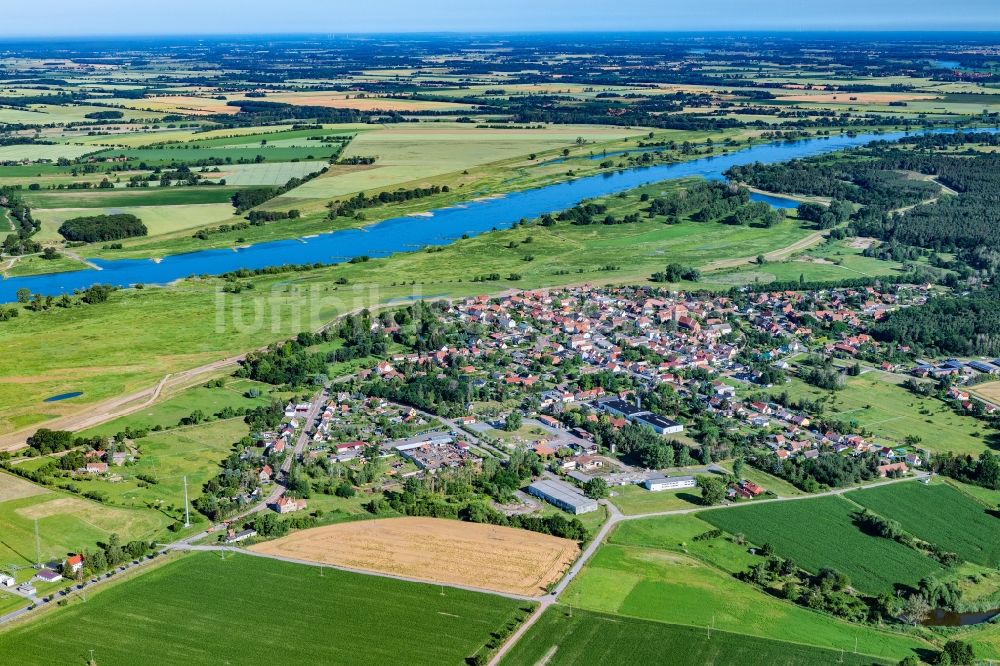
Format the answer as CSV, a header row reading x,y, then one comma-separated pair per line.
x,y
7,581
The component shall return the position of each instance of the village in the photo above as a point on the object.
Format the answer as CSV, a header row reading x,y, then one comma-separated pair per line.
x,y
552,373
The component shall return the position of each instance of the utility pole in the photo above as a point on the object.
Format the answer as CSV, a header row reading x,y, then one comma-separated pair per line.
x,y
187,508
38,546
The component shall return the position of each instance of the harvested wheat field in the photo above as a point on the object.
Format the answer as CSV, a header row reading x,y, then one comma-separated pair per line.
x,y
438,550
988,391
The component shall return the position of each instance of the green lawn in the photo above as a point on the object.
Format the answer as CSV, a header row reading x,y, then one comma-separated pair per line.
x,y
939,514
201,609
670,587
632,499
820,532
583,638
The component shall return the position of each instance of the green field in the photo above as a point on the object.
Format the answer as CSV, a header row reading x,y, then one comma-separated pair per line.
x,y
670,587
158,219
819,533
200,609
939,514
66,523
169,412
126,198
584,638
191,451
875,401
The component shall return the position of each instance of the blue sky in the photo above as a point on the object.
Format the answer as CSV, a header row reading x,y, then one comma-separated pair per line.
x,y
105,17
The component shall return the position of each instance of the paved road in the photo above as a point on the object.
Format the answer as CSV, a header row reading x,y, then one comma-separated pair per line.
x,y
615,517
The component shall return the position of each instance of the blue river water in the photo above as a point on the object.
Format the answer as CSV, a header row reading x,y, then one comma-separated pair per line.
x,y
410,233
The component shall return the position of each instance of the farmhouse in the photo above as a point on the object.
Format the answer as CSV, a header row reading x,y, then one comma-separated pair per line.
x,y
892,468
562,495
73,564
289,505
659,482
7,581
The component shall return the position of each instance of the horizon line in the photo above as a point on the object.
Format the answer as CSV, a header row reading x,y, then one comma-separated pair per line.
x,y
349,34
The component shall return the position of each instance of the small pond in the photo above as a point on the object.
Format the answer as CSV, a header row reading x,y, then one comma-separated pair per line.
x,y
64,396
946,618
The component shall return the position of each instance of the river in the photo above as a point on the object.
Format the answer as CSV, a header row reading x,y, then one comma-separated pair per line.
x,y
410,233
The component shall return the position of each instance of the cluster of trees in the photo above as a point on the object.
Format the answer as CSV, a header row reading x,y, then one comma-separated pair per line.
x,y
292,363
821,373
95,228
222,495
826,217
361,201
589,213
825,471
273,215
649,449
982,471
499,481
675,273
960,325
856,178
25,226
111,554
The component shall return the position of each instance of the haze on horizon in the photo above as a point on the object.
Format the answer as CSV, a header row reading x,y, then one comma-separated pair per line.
x,y
43,18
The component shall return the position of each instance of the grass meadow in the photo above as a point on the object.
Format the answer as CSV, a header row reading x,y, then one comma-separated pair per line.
x,y
875,401
201,609
158,219
66,523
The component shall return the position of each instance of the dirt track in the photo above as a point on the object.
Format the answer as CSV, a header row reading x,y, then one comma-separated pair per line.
x,y
436,550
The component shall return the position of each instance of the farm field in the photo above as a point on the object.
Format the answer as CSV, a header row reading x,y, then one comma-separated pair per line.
x,y
988,390
874,401
416,153
436,550
671,587
938,514
158,219
124,198
819,533
585,638
335,617
346,101
66,523
43,151
266,173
